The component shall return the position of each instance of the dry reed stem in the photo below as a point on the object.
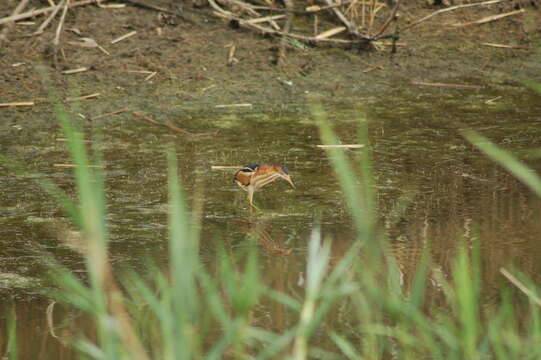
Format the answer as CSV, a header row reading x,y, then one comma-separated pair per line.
x,y
15,104
457,86
503,46
489,18
123,37
232,105
227,167
345,146
75,165
64,140
331,32
74,71
84,97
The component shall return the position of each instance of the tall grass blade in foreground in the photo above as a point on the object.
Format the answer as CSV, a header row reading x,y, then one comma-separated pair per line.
x,y
508,161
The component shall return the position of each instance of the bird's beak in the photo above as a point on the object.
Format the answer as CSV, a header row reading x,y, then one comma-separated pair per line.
x,y
288,179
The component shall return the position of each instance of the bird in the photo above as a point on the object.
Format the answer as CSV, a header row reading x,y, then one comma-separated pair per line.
x,y
253,177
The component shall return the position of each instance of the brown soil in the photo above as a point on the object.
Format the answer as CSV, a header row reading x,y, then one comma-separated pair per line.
x,y
191,59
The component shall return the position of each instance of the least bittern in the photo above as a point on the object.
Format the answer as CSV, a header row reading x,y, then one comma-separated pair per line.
x,y
253,177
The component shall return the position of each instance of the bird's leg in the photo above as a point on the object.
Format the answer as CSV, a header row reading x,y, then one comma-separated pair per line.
x,y
251,198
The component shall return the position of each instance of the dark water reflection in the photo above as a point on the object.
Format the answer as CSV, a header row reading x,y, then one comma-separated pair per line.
x,y
453,193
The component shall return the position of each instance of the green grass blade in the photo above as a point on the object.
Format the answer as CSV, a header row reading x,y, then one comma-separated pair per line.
x,y
508,161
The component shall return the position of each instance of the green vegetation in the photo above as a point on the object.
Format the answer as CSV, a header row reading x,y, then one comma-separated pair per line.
x,y
190,311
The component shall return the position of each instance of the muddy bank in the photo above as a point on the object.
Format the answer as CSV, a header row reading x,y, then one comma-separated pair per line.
x,y
192,75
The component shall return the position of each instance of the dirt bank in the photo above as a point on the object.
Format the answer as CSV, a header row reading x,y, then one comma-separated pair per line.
x,y
174,64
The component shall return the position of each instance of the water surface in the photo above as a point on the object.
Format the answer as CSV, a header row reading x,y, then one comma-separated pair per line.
x,y
453,193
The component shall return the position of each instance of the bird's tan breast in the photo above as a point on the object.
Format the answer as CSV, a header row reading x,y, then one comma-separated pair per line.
x,y
243,178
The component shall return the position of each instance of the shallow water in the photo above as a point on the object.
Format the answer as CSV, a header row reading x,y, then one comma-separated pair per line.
x,y
453,192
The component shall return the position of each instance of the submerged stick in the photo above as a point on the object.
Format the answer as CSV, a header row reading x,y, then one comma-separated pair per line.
x,y
346,146
167,125
50,322
503,46
456,86
109,114
232,105
75,165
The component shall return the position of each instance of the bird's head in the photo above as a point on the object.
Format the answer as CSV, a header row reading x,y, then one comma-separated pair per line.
x,y
284,174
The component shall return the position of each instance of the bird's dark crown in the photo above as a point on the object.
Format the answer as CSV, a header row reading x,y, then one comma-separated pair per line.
x,y
251,167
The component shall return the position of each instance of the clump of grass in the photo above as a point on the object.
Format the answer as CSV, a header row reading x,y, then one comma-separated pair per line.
x,y
192,312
